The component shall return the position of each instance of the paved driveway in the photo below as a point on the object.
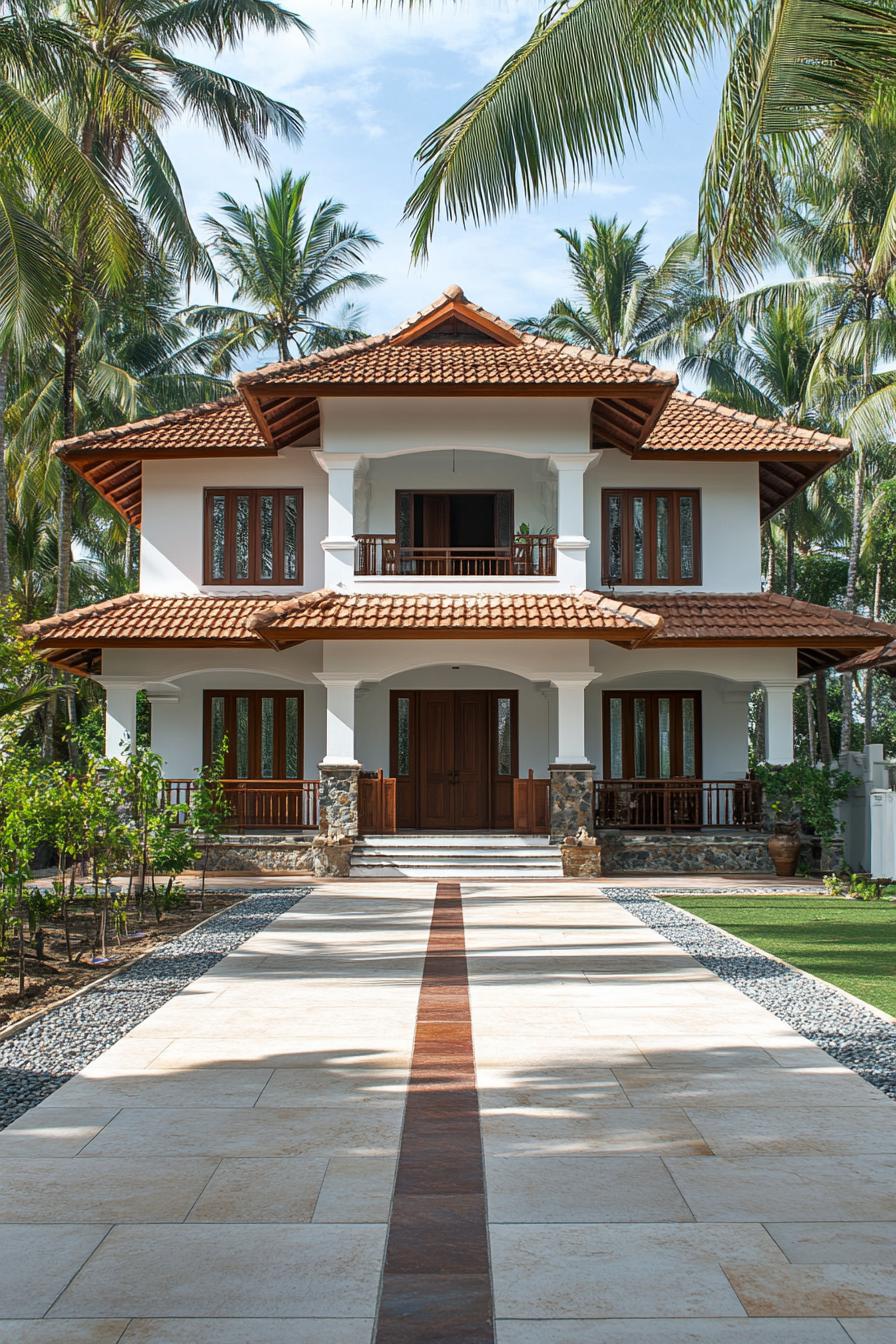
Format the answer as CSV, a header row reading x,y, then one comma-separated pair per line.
x,y
399,1115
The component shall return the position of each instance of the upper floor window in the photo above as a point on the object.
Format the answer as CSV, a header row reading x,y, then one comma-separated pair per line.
x,y
253,536
651,536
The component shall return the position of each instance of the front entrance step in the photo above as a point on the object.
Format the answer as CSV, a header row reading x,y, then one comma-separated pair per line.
x,y
476,855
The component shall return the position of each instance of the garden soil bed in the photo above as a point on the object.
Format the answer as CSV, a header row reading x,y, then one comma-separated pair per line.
x,y
52,979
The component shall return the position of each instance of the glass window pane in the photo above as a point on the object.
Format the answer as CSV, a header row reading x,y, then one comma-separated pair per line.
x,y
242,737
638,538
614,539
503,519
219,512
615,737
686,536
662,537
404,735
504,754
640,738
290,554
665,738
266,521
688,737
218,723
267,737
291,765
241,567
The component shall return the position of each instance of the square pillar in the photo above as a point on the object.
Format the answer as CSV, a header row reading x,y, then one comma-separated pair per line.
x,y
339,543
339,770
571,544
779,721
571,720
121,718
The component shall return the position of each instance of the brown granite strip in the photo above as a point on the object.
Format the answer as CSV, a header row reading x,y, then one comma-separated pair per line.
x,y
437,1285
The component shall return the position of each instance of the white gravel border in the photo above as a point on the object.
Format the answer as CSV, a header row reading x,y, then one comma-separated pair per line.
x,y
48,1051
852,1032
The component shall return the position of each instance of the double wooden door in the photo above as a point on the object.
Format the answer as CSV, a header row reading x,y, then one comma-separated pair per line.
x,y
454,757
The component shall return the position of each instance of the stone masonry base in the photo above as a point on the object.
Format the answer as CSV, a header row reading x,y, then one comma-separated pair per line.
x,y
684,852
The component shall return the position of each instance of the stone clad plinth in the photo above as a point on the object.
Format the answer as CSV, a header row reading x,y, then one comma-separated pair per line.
x,y
339,796
572,800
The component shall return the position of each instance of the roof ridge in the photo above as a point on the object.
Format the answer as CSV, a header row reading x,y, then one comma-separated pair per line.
x,y
151,422
777,424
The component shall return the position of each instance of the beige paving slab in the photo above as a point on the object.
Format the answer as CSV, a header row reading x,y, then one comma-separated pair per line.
x,y
739,1131
582,1190
259,1050
716,1331
748,1087
785,1188
335,1086
356,1190
603,1130
261,1190
244,1270
837,1243
623,1269
61,1332
99,1189
54,1131
37,1263
249,1330
815,1290
241,1132
209,1087
868,1331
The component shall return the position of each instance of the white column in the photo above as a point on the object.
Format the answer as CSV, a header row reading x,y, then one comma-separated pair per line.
x,y
571,721
779,721
340,720
572,544
339,543
121,718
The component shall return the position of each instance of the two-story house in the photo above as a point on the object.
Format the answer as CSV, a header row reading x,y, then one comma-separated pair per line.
x,y
457,555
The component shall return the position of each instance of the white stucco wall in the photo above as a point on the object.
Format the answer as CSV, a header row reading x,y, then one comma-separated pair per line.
x,y
724,676
525,426
729,511
171,532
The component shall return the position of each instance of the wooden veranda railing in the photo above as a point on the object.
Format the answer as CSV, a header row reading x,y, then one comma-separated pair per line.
x,y
258,804
531,805
677,804
528,556
376,804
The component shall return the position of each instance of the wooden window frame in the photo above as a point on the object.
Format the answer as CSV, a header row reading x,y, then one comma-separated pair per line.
x,y
230,698
230,495
650,580
628,698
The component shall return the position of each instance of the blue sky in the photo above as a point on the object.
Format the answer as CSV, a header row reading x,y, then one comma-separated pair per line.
x,y
372,84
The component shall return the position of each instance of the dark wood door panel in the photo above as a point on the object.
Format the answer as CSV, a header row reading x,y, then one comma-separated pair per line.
x,y
471,760
436,759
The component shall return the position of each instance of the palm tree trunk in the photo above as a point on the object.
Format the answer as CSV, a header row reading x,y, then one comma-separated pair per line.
x,y
869,674
855,542
66,479
790,553
824,724
5,578
810,722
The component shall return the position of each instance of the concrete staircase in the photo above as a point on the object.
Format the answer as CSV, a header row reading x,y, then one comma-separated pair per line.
x,y
445,856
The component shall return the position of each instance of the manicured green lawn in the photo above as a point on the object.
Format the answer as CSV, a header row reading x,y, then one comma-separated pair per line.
x,y
850,943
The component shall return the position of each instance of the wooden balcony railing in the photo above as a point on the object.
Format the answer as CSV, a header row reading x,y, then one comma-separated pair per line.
x,y
531,805
528,556
677,804
258,804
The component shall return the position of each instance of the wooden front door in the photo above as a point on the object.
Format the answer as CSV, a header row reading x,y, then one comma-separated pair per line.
x,y
454,757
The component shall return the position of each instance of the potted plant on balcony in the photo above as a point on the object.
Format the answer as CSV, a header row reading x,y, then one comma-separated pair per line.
x,y
800,795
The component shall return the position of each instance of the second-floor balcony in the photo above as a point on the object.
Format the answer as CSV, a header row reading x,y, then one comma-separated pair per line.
x,y
529,555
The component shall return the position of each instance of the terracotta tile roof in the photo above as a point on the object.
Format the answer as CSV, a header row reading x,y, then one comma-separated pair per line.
x,y
692,424
332,614
764,617
226,425
879,660
143,618
385,360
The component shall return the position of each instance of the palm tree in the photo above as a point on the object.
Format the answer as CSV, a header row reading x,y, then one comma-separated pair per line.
x,y
623,304
288,266
117,110
594,73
